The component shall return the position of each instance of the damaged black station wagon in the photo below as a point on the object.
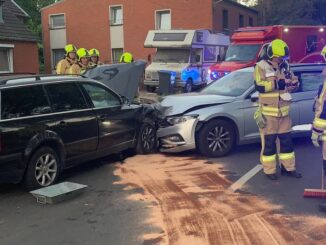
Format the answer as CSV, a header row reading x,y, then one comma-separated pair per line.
x,y
50,123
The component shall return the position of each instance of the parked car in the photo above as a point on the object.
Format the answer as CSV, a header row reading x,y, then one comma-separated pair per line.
x,y
50,123
221,115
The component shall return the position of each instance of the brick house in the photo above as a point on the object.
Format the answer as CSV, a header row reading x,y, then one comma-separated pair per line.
x,y
18,45
114,26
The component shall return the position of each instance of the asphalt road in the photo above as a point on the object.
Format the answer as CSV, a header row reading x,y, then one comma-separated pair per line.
x,y
102,215
287,192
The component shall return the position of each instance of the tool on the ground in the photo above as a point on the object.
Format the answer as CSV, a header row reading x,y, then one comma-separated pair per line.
x,y
57,193
318,193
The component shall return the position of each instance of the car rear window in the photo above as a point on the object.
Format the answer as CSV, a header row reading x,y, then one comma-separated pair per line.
x,y
66,97
23,101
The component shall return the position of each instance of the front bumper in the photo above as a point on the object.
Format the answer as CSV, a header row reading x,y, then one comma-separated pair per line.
x,y
156,83
179,137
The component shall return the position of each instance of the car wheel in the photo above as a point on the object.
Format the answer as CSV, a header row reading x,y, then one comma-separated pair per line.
x,y
216,139
147,142
150,89
43,168
188,86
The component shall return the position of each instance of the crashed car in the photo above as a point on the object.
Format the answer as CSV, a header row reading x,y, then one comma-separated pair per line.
x,y
220,116
50,123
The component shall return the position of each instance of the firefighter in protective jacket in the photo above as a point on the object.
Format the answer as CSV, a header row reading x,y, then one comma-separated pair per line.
x,y
319,123
82,65
274,81
70,59
94,58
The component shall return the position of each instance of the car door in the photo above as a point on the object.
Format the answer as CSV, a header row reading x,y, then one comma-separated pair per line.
x,y
310,80
76,121
117,123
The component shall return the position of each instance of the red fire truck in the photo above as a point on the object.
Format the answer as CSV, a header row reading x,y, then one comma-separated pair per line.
x,y
249,44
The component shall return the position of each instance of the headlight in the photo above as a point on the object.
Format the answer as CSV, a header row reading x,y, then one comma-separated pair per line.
x,y
180,119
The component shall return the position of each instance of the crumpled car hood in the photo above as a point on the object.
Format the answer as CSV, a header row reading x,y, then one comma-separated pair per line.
x,y
179,104
124,79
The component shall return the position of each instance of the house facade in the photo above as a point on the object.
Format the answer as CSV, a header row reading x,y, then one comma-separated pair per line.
x,y
116,26
18,45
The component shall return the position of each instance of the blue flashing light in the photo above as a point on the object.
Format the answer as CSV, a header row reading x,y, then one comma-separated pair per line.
x,y
186,74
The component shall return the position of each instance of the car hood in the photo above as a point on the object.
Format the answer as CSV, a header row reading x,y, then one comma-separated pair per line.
x,y
121,78
185,103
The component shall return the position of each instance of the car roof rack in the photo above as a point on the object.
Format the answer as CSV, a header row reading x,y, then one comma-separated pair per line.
x,y
38,77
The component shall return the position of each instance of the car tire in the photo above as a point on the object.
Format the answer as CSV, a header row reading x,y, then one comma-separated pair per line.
x,y
43,169
147,141
150,89
188,86
216,138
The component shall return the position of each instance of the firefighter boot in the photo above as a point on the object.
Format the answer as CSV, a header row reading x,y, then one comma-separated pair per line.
x,y
272,176
292,173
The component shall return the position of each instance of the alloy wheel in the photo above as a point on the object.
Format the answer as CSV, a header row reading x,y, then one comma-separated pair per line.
x,y
148,138
218,139
46,169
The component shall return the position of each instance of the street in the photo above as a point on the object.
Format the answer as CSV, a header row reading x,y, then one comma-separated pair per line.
x,y
172,199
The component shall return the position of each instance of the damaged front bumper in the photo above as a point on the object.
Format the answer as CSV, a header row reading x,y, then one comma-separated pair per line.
x,y
179,137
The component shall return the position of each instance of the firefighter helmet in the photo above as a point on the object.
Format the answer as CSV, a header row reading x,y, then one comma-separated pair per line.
x,y
323,52
69,48
94,52
126,57
277,48
82,52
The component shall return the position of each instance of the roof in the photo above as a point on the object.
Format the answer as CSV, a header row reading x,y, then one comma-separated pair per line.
x,y
13,28
235,3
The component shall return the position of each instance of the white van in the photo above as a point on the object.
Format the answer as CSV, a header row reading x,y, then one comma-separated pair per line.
x,y
186,53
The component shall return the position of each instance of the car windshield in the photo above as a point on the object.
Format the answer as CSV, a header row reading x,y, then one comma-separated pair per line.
x,y
172,55
233,84
242,53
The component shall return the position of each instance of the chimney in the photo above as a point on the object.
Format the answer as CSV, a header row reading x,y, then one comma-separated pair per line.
x,y
1,10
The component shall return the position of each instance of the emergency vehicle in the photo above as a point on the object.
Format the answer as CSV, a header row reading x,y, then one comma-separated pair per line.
x,y
249,45
188,54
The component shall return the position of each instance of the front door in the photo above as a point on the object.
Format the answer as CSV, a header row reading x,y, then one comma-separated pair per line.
x,y
117,122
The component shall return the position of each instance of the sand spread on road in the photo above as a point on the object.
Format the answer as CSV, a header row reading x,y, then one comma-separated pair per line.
x,y
191,205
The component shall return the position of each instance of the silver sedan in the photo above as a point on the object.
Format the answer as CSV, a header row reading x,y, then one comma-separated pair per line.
x,y
220,116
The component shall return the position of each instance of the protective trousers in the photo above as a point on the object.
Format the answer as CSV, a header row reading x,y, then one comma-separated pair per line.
x,y
277,128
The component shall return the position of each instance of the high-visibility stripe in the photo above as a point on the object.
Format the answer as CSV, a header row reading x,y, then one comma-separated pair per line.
x,y
267,159
286,156
275,111
269,95
321,123
266,84
320,96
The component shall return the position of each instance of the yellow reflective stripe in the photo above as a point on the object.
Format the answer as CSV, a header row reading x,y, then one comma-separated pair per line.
x,y
286,156
268,158
270,95
274,111
321,95
319,122
266,84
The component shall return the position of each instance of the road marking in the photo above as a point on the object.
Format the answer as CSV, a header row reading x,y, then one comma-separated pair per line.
x,y
240,182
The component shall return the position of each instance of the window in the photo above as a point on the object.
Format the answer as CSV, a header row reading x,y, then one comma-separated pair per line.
x,y
65,97
116,54
310,81
57,21
311,44
251,21
210,53
241,21
116,17
100,96
242,52
169,36
6,60
225,21
163,20
57,55
23,102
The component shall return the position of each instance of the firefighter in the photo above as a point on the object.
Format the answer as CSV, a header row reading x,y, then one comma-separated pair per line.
x,y
274,86
94,58
82,65
319,123
126,57
70,59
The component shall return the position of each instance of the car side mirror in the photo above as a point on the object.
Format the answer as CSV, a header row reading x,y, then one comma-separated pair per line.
x,y
254,97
